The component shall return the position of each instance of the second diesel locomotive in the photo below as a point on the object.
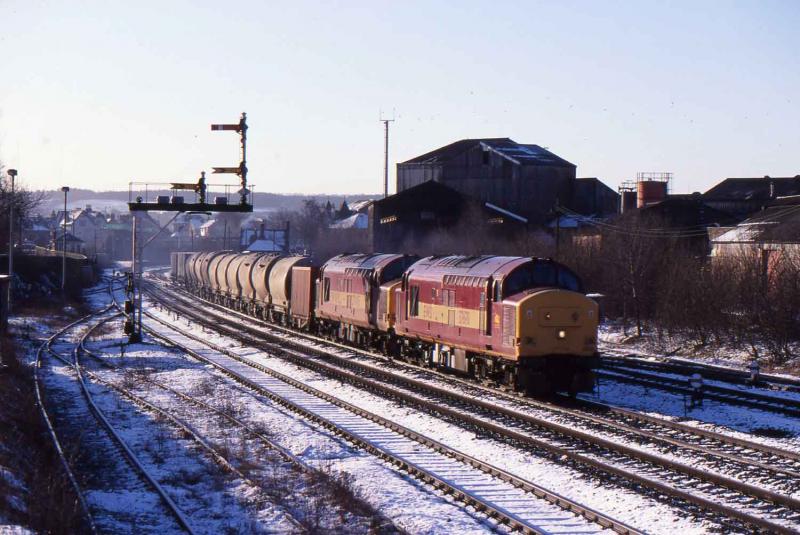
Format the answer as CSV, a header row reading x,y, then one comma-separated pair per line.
x,y
517,321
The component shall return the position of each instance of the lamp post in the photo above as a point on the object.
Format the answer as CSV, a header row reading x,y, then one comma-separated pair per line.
x,y
13,174
65,189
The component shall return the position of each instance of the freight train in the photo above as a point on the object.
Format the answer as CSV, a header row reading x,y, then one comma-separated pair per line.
x,y
524,323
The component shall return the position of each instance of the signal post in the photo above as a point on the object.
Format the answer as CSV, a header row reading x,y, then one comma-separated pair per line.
x,y
133,304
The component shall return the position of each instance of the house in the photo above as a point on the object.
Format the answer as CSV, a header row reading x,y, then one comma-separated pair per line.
x,y
257,238
37,230
770,234
211,229
72,243
352,216
355,221
685,220
119,231
88,226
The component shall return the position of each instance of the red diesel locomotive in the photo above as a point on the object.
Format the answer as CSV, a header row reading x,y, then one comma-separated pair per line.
x,y
517,321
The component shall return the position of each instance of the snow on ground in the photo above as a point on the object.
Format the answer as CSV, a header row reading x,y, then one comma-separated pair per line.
x,y
728,419
106,478
621,504
411,505
614,340
517,503
396,495
119,499
744,422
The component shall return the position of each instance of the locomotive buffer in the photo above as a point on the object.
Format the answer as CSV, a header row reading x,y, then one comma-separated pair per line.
x,y
133,304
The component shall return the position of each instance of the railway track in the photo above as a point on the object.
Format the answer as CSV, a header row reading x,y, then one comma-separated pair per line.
x,y
512,501
69,473
708,371
109,448
217,454
731,395
786,469
722,443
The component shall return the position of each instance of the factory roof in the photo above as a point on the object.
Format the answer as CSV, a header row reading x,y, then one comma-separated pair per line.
x,y
523,154
755,188
358,221
780,222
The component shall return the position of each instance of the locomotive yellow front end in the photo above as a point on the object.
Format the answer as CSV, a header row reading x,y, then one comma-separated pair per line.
x,y
556,338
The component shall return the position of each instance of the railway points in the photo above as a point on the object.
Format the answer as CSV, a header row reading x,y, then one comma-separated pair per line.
x,y
221,314
251,341
420,464
109,445
329,347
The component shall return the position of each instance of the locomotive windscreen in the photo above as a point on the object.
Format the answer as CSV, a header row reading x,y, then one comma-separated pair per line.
x,y
540,273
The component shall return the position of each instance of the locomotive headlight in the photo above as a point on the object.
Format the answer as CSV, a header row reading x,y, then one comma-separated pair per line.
x,y
562,334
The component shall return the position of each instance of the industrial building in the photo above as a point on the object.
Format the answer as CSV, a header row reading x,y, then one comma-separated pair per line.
x,y
427,218
744,196
593,198
648,189
524,179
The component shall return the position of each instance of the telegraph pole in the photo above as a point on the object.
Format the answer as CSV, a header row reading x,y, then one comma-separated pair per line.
x,y
65,189
135,334
13,174
386,155
558,230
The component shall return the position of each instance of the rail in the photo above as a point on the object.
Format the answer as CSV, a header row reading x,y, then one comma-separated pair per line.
x,y
437,407
527,486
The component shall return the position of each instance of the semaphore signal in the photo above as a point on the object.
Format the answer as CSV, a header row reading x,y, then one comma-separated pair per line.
x,y
241,171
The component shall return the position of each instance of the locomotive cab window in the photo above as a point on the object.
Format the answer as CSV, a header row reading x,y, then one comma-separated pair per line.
x,y
543,273
567,279
394,270
326,289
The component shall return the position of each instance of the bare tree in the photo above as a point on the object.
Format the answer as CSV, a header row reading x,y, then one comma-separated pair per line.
x,y
24,201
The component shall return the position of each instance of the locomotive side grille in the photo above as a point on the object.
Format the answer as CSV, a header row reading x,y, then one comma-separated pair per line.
x,y
509,326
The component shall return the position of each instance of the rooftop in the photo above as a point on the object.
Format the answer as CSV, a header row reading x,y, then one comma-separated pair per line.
x,y
764,188
524,154
780,222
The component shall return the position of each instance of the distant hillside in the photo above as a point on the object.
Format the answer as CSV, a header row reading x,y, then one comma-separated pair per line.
x,y
116,200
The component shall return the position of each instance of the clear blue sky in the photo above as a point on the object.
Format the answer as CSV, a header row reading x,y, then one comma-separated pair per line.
x,y
95,94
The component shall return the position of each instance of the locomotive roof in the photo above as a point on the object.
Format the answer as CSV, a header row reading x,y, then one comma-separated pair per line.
x,y
360,261
436,267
